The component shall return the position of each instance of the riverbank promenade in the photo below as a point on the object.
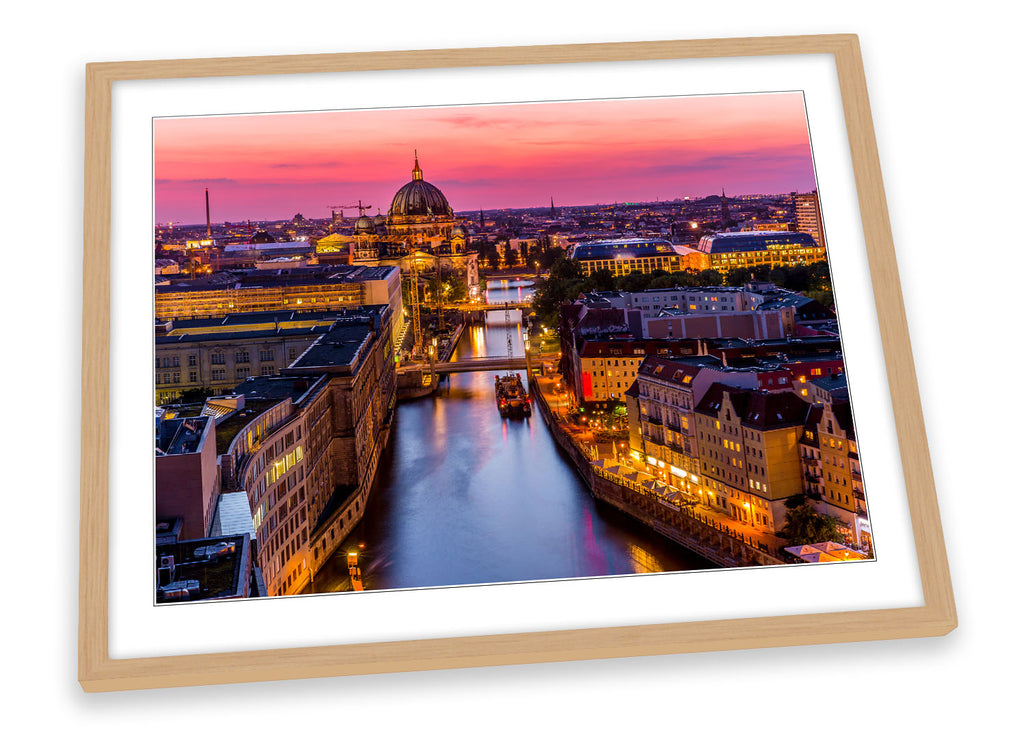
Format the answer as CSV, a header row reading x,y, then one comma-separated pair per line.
x,y
609,461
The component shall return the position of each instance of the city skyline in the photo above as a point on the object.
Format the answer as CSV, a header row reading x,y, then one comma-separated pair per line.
x,y
271,166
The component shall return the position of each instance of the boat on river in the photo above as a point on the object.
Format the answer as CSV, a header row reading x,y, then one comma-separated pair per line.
x,y
510,396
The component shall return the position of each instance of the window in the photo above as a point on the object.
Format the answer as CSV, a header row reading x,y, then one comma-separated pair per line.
x,y
266,356
242,373
218,375
242,357
217,359
192,360
192,378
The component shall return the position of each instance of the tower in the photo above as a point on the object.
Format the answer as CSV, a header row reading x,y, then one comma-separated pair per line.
x,y
726,220
553,213
209,231
808,216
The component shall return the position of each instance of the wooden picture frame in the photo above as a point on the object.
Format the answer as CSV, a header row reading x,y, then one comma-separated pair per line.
x,y
98,671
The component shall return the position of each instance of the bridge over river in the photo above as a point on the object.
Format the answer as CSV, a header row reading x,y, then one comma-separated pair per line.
x,y
492,306
463,365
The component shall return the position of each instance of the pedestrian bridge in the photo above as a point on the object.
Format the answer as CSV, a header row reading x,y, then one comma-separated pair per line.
x,y
494,306
467,365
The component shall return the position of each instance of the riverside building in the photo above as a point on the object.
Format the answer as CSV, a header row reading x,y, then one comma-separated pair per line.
x,y
747,446
216,353
831,466
313,288
303,448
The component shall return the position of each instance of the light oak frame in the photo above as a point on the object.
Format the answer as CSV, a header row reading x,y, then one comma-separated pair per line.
x,y
97,671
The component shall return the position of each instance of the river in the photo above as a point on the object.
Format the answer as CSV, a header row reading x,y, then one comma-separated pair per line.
x,y
466,497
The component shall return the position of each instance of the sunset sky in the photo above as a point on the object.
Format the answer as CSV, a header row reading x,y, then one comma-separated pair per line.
x,y
269,167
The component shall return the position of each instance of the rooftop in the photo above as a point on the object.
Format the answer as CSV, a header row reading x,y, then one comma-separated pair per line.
x,y
677,370
208,568
284,318
232,425
830,383
296,276
339,347
232,516
626,248
626,345
180,435
753,241
759,409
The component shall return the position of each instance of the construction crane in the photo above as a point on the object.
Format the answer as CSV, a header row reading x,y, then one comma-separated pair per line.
x,y
341,208
414,308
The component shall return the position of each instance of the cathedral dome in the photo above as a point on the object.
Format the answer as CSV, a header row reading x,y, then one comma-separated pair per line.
x,y
419,198
261,236
458,232
365,225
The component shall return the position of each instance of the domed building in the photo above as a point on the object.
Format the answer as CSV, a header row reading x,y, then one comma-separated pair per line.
x,y
366,241
365,226
420,214
419,235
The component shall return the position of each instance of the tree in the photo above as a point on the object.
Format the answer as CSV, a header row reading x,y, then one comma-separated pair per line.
x,y
804,526
633,282
564,268
602,280
196,395
709,278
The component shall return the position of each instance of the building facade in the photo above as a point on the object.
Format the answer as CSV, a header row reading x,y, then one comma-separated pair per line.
x,y
748,447
635,255
304,448
187,473
322,288
744,250
808,216
218,353
831,466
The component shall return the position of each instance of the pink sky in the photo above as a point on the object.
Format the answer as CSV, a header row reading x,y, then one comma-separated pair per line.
x,y
269,167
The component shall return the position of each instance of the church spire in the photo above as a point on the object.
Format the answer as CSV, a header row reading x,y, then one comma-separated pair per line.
x,y
417,173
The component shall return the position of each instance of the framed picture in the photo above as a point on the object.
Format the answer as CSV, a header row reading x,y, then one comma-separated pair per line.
x,y
490,356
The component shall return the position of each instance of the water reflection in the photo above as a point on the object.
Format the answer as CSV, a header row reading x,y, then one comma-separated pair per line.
x,y
464,496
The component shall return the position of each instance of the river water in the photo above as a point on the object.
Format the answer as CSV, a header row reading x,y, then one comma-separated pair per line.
x,y
464,496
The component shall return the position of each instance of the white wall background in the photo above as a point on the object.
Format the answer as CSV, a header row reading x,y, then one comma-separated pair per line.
x,y
944,88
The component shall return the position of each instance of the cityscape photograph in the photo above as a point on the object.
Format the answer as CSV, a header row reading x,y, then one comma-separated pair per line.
x,y
448,346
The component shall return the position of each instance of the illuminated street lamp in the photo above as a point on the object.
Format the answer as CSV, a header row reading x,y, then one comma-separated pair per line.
x,y
432,351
